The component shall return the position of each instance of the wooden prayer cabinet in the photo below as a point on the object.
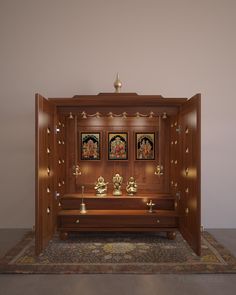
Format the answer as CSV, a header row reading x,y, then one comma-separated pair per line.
x,y
171,180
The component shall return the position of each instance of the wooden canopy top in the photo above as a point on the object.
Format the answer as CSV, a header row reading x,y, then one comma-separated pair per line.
x,y
118,99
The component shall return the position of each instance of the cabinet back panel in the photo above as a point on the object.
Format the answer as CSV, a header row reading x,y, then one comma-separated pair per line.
x,y
142,170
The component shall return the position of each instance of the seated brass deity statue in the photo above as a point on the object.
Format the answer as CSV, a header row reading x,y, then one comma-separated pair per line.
x,y
131,186
117,181
101,187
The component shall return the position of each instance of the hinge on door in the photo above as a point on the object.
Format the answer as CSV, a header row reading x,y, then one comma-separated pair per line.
x,y
178,129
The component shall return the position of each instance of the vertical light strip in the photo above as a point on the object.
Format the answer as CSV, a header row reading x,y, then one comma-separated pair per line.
x,y
159,141
76,144
76,140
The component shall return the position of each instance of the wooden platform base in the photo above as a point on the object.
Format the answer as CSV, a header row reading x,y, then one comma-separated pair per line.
x,y
171,235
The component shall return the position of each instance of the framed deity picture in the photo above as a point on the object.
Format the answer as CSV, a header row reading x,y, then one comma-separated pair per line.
x,y
145,146
90,145
117,146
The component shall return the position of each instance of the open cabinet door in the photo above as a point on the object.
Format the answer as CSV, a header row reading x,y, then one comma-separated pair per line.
x,y
190,172
44,167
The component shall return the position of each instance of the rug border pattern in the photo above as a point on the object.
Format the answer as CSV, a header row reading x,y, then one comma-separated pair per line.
x,y
176,268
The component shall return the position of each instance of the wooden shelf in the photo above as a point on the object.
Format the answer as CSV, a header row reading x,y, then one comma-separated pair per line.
x,y
166,213
141,196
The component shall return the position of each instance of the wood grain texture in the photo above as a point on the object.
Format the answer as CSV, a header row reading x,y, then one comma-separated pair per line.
x,y
45,213
190,172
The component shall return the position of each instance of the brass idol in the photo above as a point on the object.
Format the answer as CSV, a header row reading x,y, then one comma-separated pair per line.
x,y
117,181
131,186
101,187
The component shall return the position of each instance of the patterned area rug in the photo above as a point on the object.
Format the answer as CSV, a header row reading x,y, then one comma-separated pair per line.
x,y
119,253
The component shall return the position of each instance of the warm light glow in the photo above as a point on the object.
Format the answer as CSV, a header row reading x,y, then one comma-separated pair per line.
x,y
192,119
43,173
149,169
86,169
192,173
43,119
193,203
117,122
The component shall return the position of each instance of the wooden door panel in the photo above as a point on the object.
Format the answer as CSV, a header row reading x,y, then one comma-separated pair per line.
x,y
190,176
44,167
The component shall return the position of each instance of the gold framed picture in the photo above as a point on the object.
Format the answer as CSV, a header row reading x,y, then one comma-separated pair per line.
x,y
90,145
117,146
145,146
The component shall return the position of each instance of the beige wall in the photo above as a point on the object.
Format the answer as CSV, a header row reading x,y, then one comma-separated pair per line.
x,y
67,47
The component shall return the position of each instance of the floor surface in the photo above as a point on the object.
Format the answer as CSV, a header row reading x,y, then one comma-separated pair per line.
x,y
117,284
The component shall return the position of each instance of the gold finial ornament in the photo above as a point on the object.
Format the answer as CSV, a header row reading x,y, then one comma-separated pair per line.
x,y
117,84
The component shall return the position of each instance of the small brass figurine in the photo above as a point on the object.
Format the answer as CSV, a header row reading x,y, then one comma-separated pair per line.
x,y
131,186
150,205
101,187
76,171
159,171
117,181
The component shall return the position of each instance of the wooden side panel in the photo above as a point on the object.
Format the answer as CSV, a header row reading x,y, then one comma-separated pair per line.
x,y
190,173
45,216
